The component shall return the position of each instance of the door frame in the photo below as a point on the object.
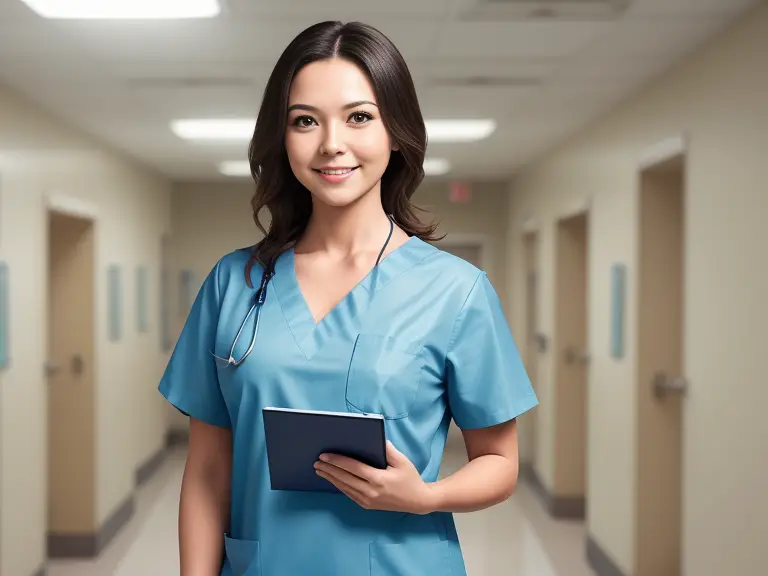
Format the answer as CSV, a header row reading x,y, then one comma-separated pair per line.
x,y
654,156
69,205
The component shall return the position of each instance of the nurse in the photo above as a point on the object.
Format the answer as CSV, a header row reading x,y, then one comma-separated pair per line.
x,y
345,305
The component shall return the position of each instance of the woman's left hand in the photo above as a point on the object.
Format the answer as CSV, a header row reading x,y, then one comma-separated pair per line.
x,y
399,488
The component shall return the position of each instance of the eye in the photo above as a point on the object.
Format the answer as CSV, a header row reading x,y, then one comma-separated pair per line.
x,y
302,121
360,117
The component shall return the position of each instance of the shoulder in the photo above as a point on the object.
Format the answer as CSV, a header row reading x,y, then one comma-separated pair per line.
x,y
454,271
231,267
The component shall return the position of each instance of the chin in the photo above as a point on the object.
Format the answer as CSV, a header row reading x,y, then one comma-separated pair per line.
x,y
338,198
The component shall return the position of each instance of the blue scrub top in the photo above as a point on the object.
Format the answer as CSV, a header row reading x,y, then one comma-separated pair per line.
x,y
422,339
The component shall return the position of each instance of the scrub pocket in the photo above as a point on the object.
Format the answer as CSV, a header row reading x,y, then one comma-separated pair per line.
x,y
243,557
411,559
384,375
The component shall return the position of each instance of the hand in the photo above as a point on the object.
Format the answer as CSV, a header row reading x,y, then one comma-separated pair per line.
x,y
399,488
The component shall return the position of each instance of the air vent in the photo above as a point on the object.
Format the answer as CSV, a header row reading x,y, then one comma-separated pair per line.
x,y
546,10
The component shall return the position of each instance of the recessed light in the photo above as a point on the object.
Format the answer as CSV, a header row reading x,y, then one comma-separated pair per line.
x,y
459,130
124,9
436,166
236,168
214,129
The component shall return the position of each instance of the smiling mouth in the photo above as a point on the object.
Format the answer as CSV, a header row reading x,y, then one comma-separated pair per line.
x,y
337,172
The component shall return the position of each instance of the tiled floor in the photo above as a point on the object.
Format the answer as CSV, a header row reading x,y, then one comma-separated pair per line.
x,y
513,539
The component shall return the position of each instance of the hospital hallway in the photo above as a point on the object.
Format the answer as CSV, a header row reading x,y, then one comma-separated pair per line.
x,y
596,176
513,538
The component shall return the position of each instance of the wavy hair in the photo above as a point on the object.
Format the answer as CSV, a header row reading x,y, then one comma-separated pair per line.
x,y
277,189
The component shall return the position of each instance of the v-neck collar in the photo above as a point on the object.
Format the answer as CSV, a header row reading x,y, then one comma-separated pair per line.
x,y
343,319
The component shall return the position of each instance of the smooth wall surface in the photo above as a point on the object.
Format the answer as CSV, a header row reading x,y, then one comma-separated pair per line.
x,y
717,99
41,156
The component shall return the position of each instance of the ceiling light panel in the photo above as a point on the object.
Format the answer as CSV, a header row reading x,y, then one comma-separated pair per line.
x,y
436,166
459,130
242,129
214,129
124,9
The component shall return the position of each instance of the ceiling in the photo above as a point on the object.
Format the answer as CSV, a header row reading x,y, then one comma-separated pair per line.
x,y
540,78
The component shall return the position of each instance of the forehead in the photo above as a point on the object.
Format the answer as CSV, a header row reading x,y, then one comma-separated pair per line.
x,y
330,84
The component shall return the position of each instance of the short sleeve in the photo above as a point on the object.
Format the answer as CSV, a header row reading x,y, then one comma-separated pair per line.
x,y
190,381
486,380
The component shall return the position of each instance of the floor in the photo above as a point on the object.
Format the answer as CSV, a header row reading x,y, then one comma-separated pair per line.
x,y
516,534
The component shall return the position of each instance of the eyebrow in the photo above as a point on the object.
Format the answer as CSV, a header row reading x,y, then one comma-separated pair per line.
x,y
345,107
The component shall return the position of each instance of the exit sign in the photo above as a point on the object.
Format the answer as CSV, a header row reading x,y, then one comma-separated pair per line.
x,y
460,193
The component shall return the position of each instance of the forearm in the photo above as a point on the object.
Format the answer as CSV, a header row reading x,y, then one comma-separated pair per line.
x,y
203,520
483,482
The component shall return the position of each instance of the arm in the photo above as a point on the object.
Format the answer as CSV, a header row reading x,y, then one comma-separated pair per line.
x,y
204,501
490,476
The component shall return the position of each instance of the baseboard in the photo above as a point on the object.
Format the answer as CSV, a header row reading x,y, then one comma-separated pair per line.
x,y
599,560
145,472
557,506
91,545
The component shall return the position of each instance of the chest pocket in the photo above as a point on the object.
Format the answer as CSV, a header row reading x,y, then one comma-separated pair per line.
x,y
384,376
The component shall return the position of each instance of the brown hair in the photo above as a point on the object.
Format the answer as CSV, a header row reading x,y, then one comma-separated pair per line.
x,y
278,190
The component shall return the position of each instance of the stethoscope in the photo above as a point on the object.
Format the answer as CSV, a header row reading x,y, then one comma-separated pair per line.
x,y
261,296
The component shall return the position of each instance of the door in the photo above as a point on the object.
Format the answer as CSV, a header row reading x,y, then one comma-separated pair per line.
x,y
531,257
660,364
472,253
571,365
69,369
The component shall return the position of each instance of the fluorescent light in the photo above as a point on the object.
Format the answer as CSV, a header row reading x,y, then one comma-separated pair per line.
x,y
436,166
459,130
237,168
124,9
214,129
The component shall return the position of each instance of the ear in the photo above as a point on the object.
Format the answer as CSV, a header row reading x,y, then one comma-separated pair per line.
x,y
395,148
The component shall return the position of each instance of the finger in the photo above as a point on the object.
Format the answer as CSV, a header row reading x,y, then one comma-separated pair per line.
x,y
360,485
394,456
347,490
351,465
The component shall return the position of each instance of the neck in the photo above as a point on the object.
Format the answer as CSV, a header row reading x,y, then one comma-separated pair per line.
x,y
346,231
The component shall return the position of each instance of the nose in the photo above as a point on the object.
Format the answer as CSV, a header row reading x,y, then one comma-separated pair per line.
x,y
332,144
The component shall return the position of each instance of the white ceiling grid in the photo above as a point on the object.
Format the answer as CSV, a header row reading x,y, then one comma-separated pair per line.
x,y
540,79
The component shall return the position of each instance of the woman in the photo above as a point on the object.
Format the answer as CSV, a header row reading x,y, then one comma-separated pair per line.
x,y
361,313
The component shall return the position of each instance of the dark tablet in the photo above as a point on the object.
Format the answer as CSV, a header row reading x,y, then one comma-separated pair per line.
x,y
296,438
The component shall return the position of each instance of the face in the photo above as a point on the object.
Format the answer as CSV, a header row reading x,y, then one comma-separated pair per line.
x,y
337,144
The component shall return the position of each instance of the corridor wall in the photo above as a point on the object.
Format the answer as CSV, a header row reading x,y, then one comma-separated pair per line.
x,y
716,99
40,155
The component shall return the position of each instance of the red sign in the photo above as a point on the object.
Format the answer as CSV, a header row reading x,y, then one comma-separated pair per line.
x,y
460,193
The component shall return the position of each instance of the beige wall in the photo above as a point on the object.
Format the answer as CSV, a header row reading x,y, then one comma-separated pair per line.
x,y
38,156
719,99
212,219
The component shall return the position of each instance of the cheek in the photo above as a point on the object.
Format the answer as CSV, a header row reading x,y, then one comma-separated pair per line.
x,y
373,147
298,149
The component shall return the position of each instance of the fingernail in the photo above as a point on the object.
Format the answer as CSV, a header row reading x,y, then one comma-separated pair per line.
x,y
324,457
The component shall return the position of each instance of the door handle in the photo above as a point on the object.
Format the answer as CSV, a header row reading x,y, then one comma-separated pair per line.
x,y
51,368
665,385
572,356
